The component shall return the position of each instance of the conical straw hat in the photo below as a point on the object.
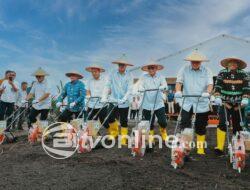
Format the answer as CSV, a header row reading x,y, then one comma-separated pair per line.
x,y
241,64
80,76
40,72
145,67
122,60
94,66
195,56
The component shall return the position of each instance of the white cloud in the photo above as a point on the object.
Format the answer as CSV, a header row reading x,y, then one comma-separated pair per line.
x,y
168,27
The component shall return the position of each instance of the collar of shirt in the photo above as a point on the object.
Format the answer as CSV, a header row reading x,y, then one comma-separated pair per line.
x,y
201,68
149,76
74,82
43,82
122,74
100,78
233,71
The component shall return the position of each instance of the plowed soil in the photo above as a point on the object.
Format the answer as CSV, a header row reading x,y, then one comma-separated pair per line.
x,y
25,166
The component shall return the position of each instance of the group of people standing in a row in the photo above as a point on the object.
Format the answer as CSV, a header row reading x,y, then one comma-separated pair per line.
x,y
112,96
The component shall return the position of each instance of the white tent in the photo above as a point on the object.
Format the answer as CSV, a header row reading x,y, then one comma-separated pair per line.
x,y
214,49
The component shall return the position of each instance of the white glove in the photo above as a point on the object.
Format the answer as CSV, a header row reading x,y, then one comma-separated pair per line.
x,y
244,102
122,101
71,105
35,102
140,90
212,98
136,94
178,94
163,88
58,104
24,102
218,101
87,97
205,95
104,99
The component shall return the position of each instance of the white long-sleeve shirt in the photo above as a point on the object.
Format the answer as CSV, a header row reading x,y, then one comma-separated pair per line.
x,y
195,82
148,82
120,86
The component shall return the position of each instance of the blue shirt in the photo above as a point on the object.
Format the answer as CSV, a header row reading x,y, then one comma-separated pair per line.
x,y
75,92
195,82
120,87
148,82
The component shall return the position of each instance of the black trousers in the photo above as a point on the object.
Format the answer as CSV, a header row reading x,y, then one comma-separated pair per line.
x,y
34,113
66,115
133,114
200,123
235,118
118,113
137,113
101,116
6,110
21,114
160,114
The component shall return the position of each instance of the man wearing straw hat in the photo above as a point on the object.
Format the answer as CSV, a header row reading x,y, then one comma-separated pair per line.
x,y
95,89
75,92
118,88
232,85
40,93
8,90
195,79
153,102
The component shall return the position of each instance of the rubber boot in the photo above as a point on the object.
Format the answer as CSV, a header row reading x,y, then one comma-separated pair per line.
x,y
221,137
151,136
200,144
113,130
164,134
124,133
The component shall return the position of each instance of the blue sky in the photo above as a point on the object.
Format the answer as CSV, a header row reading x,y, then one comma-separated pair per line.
x,y
61,35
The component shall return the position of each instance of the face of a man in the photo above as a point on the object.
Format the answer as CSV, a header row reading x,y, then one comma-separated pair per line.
x,y
152,70
7,75
11,76
24,86
122,68
40,78
95,73
232,66
73,78
196,65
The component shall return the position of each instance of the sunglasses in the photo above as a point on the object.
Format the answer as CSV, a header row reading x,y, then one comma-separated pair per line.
x,y
39,76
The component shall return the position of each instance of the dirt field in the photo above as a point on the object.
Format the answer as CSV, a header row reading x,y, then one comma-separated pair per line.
x,y
24,166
